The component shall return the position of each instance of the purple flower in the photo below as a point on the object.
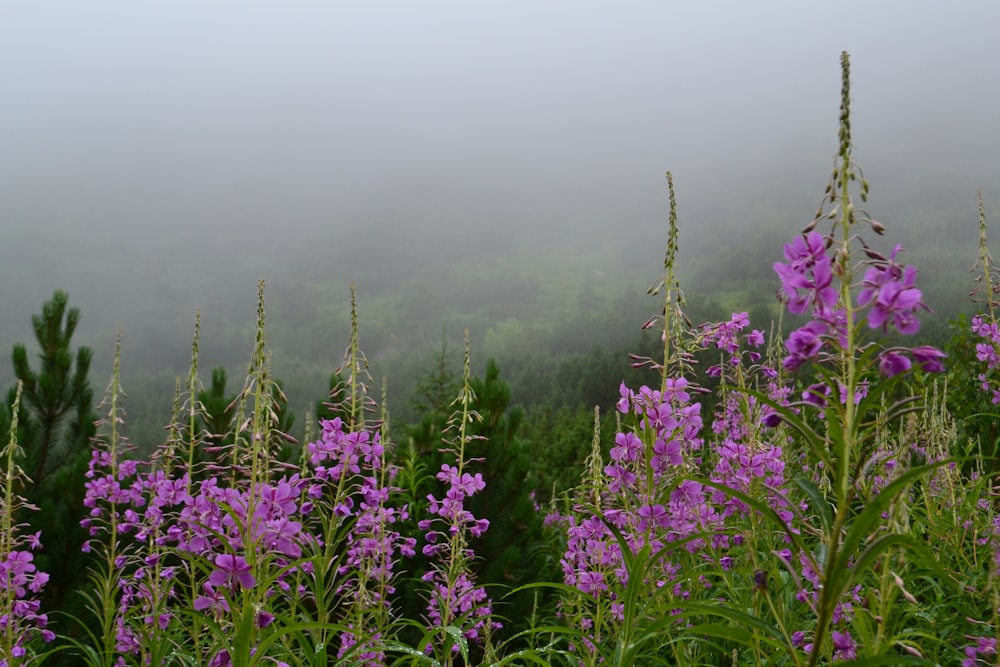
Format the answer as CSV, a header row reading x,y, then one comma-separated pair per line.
x,y
591,582
620,477
843,645
806,279
889,288
929,358
893,363
817,394
804,344
671,451
652,516
232,571
771,419
627,448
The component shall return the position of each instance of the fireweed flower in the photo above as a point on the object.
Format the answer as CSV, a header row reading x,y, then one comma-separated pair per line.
x,y
804,344
843,646
665,440
890,290
232,573
451,597
806,280
354,479
980,653
988,351
893,363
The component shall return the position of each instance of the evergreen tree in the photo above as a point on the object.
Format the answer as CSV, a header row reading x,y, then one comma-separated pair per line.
x,y
218,408
56,425
59,390
438,387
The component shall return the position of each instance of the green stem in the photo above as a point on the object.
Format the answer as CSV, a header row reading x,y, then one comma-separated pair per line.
x,y
844,448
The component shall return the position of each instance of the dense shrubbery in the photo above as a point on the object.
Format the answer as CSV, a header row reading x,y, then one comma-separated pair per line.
x,y
800,505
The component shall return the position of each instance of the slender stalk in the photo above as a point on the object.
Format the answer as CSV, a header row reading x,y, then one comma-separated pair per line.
x,y
845,445
7,530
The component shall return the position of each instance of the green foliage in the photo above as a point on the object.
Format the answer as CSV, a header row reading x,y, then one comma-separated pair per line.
x,y
435,391
58,395
560,441
56,425
219,408
970,406
508,554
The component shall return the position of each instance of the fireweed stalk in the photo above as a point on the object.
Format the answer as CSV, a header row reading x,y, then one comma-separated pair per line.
x,y
820,278
20,581
458,610
371,546
640,520
112,493
985,325
646,536
983,648
247,534
750,463
151,587
352,484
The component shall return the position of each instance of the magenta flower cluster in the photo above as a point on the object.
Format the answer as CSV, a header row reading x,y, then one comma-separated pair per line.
x,y
206,521
253,535
352,467
454,593
988,352
888,296
355,460
233,538
649,498
20,582
643,462
983,652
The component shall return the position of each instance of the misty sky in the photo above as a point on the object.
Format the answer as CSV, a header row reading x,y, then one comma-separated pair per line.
x,y
228,141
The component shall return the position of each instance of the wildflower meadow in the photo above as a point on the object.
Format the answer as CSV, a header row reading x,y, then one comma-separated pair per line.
x,y
793,500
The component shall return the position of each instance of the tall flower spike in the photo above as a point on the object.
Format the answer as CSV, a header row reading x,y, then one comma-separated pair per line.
x,y
20,580
455,599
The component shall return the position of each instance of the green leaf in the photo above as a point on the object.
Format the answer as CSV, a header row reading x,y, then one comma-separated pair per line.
x,y
818,501
763,509
519,658
459,639
768,634
418,656
719,631
864,525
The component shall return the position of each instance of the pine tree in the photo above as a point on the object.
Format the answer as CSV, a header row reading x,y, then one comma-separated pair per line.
x,y
56,425
59,390
219,408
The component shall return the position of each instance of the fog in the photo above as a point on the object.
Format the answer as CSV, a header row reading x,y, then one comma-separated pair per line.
x,y
159,158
